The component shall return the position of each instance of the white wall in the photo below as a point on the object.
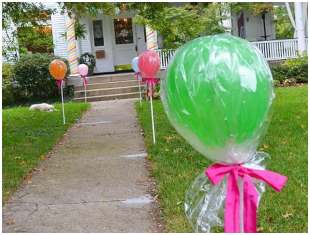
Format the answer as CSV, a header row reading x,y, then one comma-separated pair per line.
x,y
254,29
58,29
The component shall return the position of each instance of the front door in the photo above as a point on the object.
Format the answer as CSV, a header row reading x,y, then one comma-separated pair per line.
x,y
124,41
102,44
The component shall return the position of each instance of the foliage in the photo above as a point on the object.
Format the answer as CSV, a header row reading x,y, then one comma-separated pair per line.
x,y
82,9
24,13
89,60
255,8
175,164
284,28
292,69
79,30
33,79
28,136
7,84
35,39
20,14
179,24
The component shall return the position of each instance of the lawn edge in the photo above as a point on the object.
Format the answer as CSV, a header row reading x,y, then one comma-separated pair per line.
x,y
152,189
47,156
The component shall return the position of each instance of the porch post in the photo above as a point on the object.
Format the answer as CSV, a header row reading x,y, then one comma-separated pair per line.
x,y
151,38
71,48
300,27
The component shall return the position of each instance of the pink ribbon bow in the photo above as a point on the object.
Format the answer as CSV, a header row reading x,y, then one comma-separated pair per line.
x,y
59,83
151,82
216,173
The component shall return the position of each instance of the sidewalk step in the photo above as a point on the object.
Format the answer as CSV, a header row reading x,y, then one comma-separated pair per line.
x,y
108,97
107,91
111,78
104,85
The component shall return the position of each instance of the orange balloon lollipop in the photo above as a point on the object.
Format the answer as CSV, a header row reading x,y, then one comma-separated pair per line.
x,y
58,69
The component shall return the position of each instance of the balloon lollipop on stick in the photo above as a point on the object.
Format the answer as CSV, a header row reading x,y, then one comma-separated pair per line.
x,y
58,70
135,68
217,94
83,71
149,65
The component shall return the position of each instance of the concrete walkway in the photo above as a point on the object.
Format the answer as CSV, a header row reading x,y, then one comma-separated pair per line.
x,y
95,180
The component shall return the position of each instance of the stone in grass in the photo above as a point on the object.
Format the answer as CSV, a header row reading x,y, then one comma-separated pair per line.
x,y
43,107
290,82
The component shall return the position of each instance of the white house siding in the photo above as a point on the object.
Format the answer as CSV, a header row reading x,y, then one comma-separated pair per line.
x,y
58,23
58,30
254,29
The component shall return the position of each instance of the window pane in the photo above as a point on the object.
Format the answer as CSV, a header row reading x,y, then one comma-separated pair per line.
x,y
98,33
123,31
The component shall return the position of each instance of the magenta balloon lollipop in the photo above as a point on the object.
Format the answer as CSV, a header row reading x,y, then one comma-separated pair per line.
x,y
149,64
83,70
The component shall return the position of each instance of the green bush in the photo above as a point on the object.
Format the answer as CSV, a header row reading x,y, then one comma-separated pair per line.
x,y
89,60
297,68
33,79
7,84
292,69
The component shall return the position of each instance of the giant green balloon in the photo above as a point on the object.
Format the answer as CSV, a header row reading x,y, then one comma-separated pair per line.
x,y
217,94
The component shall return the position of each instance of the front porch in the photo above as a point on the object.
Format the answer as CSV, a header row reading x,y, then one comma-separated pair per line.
x,y
114,41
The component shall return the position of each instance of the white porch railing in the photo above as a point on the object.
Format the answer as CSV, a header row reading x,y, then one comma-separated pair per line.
x,y
279,49
272,50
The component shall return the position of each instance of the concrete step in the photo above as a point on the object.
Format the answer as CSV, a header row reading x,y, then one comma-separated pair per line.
x,y
108,97
111,78
107,91
108,85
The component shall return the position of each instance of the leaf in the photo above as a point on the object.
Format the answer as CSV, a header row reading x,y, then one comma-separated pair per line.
x,y
287,215
10,221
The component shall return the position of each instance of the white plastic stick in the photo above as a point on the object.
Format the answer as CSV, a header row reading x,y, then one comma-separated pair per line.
x,y
153,126
63,106
140,93
85,98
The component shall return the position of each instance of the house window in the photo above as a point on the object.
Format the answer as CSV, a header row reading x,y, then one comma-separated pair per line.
x,y
98,33
123,31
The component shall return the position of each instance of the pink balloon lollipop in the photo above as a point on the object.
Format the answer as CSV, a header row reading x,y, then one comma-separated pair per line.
x,y
83,70
149,64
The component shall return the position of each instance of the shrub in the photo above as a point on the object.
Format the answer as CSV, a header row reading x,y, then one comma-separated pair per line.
x,y
297,68
279,72
89,60
7,84
276,83
292,69
33,78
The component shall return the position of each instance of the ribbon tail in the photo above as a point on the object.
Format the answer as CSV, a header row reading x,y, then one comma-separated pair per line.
x,y
232,205
250,204
84,81
59,83
273,179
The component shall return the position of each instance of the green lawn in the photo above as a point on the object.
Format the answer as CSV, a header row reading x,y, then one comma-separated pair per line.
x,y
28,136
175,164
